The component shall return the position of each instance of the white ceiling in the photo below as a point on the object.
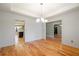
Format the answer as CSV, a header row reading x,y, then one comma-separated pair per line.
x,y
37,10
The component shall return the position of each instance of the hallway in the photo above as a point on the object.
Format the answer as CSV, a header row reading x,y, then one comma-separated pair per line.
x,y
49,47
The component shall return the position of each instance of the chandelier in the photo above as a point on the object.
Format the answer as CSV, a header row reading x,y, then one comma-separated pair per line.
x,y
41,19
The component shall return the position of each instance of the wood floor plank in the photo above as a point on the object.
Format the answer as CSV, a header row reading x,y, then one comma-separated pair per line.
x,y
48,47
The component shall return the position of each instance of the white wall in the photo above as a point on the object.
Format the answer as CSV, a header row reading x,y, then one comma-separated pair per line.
x,y
44,30
6,32
70,28
33,30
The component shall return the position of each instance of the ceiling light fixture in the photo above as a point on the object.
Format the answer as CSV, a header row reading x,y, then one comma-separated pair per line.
x,y
41,19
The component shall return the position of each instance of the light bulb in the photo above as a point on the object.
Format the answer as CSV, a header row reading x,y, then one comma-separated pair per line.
x,y
42,19
38,20
46,20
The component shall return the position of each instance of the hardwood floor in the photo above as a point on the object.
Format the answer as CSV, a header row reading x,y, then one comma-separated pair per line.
x,y
49,47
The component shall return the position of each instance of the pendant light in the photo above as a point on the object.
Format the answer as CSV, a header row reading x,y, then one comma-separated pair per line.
x,y
41,19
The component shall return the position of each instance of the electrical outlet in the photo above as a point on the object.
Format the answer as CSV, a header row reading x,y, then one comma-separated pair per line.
x,y
72,41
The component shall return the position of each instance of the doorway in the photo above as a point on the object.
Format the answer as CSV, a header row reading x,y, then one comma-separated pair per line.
x,y
54,30
19,31
57,30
